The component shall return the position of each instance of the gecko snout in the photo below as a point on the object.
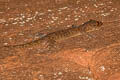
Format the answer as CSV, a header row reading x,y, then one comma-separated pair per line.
x,y
93,25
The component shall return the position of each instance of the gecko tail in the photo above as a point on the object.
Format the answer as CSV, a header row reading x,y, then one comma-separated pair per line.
x,y
29,44
13,46
17,46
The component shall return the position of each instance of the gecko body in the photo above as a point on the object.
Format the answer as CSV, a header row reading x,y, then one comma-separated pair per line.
x,y
88,26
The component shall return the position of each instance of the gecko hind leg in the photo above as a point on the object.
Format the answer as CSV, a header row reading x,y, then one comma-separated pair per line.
x,y
50,46
53,47
37,35
40,35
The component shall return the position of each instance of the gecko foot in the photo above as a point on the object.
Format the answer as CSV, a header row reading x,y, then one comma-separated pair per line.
x,y
49,46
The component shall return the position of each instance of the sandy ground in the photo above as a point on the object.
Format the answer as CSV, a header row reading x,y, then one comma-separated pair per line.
x,y
81,57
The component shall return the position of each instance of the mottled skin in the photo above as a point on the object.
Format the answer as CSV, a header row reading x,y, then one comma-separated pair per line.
x,y
89,26
53,37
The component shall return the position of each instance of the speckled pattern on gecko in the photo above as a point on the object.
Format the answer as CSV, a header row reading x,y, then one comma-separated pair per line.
x,y
53,37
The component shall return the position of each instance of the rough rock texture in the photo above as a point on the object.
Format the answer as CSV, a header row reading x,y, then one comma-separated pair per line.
x,y
94,57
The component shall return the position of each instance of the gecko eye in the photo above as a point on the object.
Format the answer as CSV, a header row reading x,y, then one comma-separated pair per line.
x,y
98,23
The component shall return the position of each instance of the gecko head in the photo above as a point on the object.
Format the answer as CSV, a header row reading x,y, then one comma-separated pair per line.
x,y
92,25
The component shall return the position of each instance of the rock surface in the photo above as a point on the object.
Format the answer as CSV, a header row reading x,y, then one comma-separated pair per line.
x,y
94,57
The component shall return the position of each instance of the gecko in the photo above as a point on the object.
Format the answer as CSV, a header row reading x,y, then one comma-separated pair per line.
x,y
63,34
